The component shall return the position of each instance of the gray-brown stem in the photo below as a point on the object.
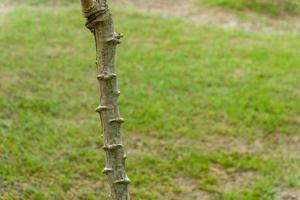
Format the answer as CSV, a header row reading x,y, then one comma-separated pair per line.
x,y
100,22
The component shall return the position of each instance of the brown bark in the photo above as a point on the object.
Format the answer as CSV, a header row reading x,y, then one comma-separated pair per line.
x,y
100,22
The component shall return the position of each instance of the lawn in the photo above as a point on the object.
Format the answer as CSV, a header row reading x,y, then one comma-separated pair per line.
x,y
269,7
210,113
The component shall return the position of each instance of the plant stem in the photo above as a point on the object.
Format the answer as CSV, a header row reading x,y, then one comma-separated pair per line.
x,y
100,22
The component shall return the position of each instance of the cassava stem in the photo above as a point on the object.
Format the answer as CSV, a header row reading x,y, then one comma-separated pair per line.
x,y
100,22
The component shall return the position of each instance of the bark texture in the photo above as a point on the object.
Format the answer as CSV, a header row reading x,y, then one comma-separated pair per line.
x,y
100,22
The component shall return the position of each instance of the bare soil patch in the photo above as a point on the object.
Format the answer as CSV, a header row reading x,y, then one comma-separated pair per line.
x,y
233,180
200,14
289,194
189,191
4,8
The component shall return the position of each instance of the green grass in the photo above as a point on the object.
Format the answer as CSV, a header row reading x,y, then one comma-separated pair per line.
x,y
209,109
43,2
269,7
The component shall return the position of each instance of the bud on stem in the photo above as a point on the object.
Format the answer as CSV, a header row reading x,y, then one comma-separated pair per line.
x,y
100,22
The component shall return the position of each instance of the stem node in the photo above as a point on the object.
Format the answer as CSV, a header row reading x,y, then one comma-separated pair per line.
x,y
100,22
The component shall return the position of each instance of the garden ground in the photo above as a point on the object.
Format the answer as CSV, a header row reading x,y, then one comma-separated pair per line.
x,y
212,110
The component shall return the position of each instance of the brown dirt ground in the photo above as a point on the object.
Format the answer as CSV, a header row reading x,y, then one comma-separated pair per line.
x,y
198,14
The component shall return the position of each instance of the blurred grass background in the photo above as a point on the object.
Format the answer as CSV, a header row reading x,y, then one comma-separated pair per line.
x,y
270,7
211,113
